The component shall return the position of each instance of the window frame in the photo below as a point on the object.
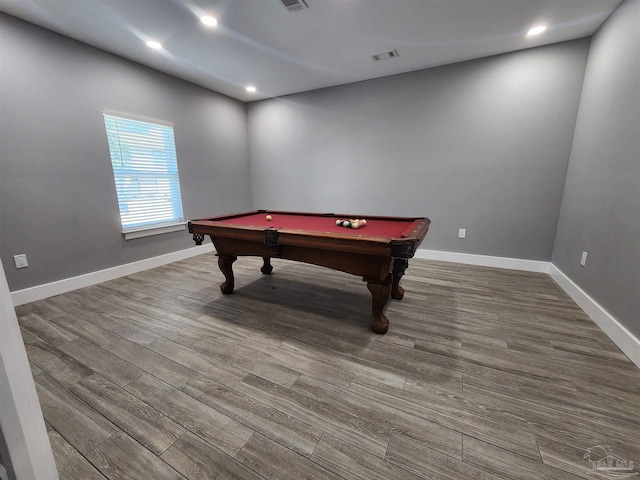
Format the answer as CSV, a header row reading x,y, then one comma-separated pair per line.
x,y
158,226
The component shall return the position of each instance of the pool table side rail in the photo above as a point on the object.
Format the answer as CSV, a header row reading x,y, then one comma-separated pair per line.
x,y
307,214
403,247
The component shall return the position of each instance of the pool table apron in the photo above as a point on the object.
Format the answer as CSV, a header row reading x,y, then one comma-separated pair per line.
x,y
371,266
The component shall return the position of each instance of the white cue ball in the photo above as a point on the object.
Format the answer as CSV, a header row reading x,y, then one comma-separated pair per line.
x,y
268,217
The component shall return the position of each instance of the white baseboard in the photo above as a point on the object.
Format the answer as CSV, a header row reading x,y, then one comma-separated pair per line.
x,y
484,260
609,325
39,292
617,332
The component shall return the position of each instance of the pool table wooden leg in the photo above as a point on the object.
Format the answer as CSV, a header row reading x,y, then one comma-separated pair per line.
x,y
399,266
226,267
379,296
266,267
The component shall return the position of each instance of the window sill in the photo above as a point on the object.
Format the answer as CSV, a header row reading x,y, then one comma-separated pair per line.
x,y
147,232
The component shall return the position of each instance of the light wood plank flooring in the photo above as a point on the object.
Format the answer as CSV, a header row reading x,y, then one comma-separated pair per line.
x,y
484,374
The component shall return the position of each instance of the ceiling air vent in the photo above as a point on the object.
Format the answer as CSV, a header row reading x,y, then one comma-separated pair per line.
x,y
385,55
294,5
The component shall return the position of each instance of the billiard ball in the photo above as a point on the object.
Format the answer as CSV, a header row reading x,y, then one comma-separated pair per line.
x,y
268,217
363,222
355,224
338,222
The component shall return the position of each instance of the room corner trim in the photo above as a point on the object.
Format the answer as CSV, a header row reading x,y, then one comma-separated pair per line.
x,y
617,332
31,294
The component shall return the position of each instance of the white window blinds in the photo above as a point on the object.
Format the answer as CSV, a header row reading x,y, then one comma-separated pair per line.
x,y
145,169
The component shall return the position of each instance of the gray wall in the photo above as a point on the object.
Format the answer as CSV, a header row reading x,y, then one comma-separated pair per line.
x,y
481,145
601,205
57,195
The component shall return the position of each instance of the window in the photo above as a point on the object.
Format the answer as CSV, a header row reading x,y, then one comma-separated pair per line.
x,y
145,170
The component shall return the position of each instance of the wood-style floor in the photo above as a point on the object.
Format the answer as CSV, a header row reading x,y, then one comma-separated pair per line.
x,y
484,374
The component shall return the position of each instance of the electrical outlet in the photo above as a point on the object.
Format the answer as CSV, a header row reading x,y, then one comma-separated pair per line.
x,y
21,260
462,233
583,260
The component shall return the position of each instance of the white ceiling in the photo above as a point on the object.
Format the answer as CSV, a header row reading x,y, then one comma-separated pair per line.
x,y
259,42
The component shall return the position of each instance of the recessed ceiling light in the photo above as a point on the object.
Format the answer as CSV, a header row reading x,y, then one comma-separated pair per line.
x,y
153,44
251,89
209,21
537,30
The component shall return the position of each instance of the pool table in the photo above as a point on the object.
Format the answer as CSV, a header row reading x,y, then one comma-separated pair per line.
x,y
378,252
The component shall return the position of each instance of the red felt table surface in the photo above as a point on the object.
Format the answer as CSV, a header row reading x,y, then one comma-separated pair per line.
x,y
322,224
